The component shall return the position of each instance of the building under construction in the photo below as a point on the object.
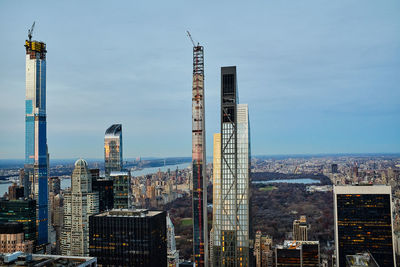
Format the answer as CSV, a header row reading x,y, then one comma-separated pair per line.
x,y
199,182
36,155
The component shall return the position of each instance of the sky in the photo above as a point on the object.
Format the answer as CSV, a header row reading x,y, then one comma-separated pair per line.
x,y
319,76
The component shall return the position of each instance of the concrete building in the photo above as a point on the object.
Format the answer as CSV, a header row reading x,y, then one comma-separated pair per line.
x,y
12,238
263,251
363,222
79,203
300,229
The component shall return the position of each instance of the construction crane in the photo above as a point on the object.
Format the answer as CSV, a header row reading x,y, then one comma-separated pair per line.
x,y
30,31
191,39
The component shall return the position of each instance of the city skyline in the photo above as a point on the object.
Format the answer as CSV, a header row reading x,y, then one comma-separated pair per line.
x,y
322,84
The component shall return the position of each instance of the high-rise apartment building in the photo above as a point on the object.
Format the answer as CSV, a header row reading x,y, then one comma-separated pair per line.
x,y
122,189
215,238
113,149
79,203
36,154
363,223
234,224
199,181
263,252
173,254
300,229
129,238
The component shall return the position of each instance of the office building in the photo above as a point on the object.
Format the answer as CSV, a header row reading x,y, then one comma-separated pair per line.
x,y
12,238
363,223
20,211
300,229
104,187
122,189
199,177
297,253
79,203
113,149
263,251
36,154
231,246
129,238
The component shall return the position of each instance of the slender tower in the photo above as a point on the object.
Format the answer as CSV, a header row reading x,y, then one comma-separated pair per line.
x,y
36,156
199,182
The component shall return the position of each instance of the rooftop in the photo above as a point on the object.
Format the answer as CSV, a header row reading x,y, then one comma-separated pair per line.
x,y
361,260
114,130
129,213
21,259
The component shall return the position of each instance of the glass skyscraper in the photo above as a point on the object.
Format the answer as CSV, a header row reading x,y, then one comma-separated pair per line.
x,y
113,149
364,223
36,155
231,225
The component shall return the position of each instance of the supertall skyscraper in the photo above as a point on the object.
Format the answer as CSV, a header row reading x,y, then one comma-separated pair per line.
x,y
231,232
199,181
113,149
36,154
364,223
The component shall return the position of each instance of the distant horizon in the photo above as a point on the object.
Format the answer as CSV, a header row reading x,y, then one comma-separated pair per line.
x,y
258,155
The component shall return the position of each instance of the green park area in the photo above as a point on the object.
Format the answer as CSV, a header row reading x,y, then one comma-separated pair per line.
x,y
268,188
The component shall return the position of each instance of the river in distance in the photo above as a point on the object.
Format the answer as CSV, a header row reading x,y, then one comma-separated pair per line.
x,y
65,183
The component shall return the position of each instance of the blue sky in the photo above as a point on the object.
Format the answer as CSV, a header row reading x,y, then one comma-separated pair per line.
x,y
319,76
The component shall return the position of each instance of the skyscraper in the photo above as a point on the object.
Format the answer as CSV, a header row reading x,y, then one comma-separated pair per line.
x,y
173,254
215,244
199,181
233,232
36,154
79,204
363,223
113,149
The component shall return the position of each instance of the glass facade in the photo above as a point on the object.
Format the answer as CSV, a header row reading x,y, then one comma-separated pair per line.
x,y
199,181
113,149
36,155
122,189
363,223
129,238
231,235
22,211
